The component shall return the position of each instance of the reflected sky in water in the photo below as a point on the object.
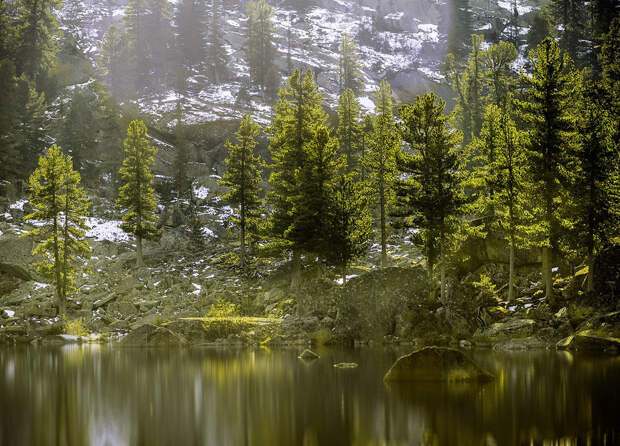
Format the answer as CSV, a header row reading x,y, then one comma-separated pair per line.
x,y
101,395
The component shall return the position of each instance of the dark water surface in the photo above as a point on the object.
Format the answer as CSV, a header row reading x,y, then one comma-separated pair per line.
x,y
97,395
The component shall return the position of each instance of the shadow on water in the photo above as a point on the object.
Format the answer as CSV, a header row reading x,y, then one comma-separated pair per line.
x,y
98,395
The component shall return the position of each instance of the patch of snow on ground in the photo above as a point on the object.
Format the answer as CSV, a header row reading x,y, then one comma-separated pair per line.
x,y
201,192
39,285
197,290
19,204
109,230
352,276
521,9
367,104
10,313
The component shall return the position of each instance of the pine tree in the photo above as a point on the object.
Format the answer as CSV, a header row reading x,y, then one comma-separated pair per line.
x,y
110,61
36,34
313,204
159,31
60,205
572,15
498,60
182,183
461,28
380,159
468,86
349,130
243,178
134,22
542,27
191,33
350,76
136,196
23,123
609,59
548,112
217,55
259,42
350,231
366,128
79,128
298,114
110,142
429,192
500,170
598,174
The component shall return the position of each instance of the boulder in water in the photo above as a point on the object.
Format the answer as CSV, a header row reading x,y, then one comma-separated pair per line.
x,y
588,341
308,355
436,364
346,365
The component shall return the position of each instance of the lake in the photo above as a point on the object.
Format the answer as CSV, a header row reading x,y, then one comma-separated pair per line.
x,y
109,395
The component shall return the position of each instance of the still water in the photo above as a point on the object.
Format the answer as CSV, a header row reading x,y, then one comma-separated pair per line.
x,y
98,395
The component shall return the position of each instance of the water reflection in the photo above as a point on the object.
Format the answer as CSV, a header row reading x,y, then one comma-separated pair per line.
x,y
96,395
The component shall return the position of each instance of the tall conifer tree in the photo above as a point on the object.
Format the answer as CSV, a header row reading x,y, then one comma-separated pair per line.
x,y
136,196
243,178
548,112
430,195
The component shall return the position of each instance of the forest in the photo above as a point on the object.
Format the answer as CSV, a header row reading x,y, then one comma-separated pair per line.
x,y
314,175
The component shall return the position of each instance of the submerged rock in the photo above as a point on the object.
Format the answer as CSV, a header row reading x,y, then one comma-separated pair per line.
x,y
587,341
308,355
346,365
436,364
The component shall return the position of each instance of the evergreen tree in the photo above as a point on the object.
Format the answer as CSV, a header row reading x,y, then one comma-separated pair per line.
x,y
572,15
542,27
23,123
136,196
313,204
380,159
468,86
80,127
597,181
243,178
500,175
498,60
429,192
609,58
461,28
134,22
349,129
366,129
159,31
111,49
261,51
182,184
217,55
298,113
350,76
548,111
350,231
191,32
60,205
36,32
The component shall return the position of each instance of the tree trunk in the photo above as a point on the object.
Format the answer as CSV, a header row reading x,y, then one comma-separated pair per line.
x,y
296,273
60,301
383,236
590,283
547,277
139,258
442,295
430,279
242,253
511,273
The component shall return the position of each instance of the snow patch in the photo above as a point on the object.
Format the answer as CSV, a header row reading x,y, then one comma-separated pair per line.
x,y
19,204
9,313
105,230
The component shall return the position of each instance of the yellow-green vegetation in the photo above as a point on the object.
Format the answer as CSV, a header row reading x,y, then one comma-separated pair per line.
x,y
75,327
223,308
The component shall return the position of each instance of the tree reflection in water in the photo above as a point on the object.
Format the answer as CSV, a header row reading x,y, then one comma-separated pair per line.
x,y
98,395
